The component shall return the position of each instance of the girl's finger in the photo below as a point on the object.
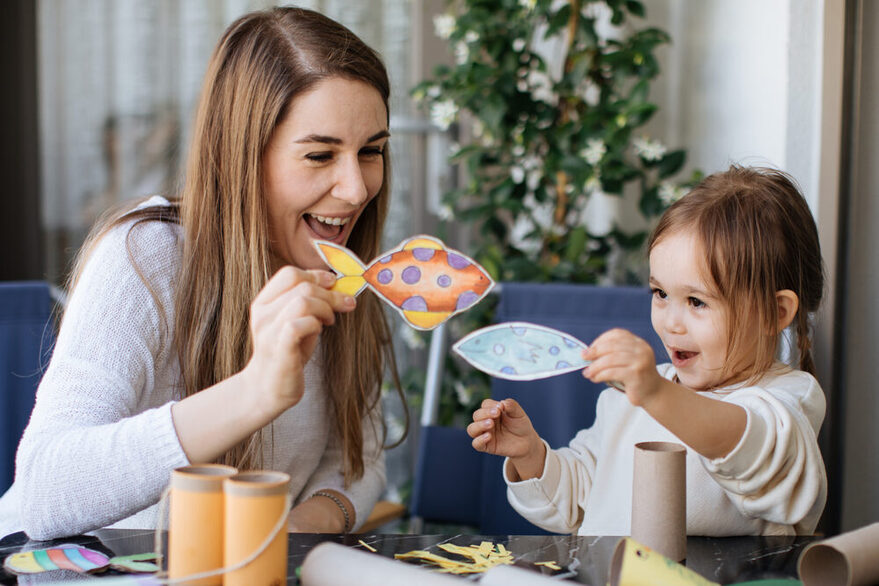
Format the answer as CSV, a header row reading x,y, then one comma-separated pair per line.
x,y
285,279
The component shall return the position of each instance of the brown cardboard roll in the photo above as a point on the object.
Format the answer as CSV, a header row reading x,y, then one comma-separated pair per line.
x,y
331,564
659,498
850,559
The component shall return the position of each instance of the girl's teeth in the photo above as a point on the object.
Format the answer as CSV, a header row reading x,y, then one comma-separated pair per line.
x,y
331,221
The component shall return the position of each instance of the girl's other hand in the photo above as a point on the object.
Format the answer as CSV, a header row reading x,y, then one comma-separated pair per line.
x,y
504,429
619,356
286,319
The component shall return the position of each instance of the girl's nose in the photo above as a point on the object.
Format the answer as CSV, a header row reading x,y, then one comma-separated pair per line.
x,y
350,185
674,321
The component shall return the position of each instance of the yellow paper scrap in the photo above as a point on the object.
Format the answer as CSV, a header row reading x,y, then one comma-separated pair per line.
x,y
367,546
550,565
482,557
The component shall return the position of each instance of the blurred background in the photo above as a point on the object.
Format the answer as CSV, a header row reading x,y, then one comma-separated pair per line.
x,y
98,96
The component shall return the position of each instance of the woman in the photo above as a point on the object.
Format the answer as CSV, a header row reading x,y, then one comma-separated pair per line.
x,y
203,329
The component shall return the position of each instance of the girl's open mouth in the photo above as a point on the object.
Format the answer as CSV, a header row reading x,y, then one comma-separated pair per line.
x,y
682,357
326,227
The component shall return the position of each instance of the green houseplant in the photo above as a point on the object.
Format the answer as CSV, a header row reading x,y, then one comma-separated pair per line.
x,y
553,94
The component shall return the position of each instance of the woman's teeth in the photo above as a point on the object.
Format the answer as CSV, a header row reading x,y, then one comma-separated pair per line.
x,y
331,221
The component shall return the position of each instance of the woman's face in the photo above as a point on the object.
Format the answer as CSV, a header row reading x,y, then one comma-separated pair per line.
x,y
322,166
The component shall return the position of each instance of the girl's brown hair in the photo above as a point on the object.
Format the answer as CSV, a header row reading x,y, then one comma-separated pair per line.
x,y
759,237
263,62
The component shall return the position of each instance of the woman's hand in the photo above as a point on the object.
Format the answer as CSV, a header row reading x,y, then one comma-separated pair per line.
x,y
286,319
619,356
504,429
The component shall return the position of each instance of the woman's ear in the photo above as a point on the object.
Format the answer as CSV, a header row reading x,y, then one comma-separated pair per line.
x,y
788,303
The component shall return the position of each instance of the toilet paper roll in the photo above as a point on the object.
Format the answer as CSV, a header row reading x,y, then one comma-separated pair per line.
x,y
331,564
659,498
849,559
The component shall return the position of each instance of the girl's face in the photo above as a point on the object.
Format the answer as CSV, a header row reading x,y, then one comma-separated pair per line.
x,y
322,166
687,314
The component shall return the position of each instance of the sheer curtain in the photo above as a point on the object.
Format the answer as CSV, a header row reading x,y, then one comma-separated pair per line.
x,y
118,81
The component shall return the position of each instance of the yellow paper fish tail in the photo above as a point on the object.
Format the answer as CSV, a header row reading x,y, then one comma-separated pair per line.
x,y
346,264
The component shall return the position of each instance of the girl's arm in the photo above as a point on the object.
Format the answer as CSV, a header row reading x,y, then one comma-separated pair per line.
x,y
710,427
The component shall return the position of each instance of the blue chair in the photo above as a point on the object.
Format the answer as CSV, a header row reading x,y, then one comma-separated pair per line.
x,y
560,406
27,337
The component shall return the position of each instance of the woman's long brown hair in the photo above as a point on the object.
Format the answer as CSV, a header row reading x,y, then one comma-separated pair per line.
x,y
262,63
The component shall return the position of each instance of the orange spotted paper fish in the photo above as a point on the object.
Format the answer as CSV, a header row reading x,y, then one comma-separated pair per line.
x,y
423,279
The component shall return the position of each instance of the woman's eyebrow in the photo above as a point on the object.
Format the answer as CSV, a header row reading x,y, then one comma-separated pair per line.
x,y
322,138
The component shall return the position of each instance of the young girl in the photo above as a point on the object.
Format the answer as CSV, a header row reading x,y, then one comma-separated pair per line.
x,y
732,264
203,329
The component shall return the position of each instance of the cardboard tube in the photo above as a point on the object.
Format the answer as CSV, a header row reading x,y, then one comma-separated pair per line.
x,y
512,576
255,501
845,560
634,564
331,564
659,498
195,527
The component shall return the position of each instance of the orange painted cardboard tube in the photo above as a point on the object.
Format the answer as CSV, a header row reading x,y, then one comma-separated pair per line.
x,y
659,498
195,527
255,501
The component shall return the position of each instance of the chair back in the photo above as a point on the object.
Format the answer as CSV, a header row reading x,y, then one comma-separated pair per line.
x,y
26,341
560,406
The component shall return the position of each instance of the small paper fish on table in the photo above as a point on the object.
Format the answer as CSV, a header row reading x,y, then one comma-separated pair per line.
x,y
521,351
423,279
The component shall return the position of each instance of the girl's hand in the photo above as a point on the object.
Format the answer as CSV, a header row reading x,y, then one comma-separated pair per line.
x,y
286,319
619,356
504,429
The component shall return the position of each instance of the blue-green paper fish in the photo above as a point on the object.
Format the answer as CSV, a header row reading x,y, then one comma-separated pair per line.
x,y
521,351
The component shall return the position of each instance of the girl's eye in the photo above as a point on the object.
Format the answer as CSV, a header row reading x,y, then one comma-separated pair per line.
x,y
657,292
695,302
319,157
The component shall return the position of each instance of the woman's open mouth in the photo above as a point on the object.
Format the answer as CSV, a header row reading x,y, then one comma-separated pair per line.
x,y
326,227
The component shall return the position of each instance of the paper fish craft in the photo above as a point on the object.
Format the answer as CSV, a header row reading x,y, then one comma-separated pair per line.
x,y
521,351
423,279
62,557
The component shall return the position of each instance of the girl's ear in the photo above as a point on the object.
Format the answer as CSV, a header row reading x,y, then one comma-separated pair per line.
x,y
788,303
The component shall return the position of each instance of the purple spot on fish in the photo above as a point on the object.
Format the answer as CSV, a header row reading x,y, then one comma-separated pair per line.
x,y
423,254
385,259
498,348
411,275
508,370
554,350
466,299
456,261
415,303
570,343
444,280
385,276
520,331
562,364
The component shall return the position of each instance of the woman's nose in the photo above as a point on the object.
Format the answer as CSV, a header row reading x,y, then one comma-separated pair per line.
x,y
350,185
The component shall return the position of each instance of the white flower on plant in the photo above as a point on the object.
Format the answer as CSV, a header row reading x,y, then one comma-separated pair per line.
x,y
462,53
594,151
521,237
446,213
517,173
443,113
590,91
454,149
593,184
518,150
670,193
464,393
444,25
519,45
528,4
471,37
649,150
411,338
478,128
596,10
433,91
541,87
533,180
522,85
